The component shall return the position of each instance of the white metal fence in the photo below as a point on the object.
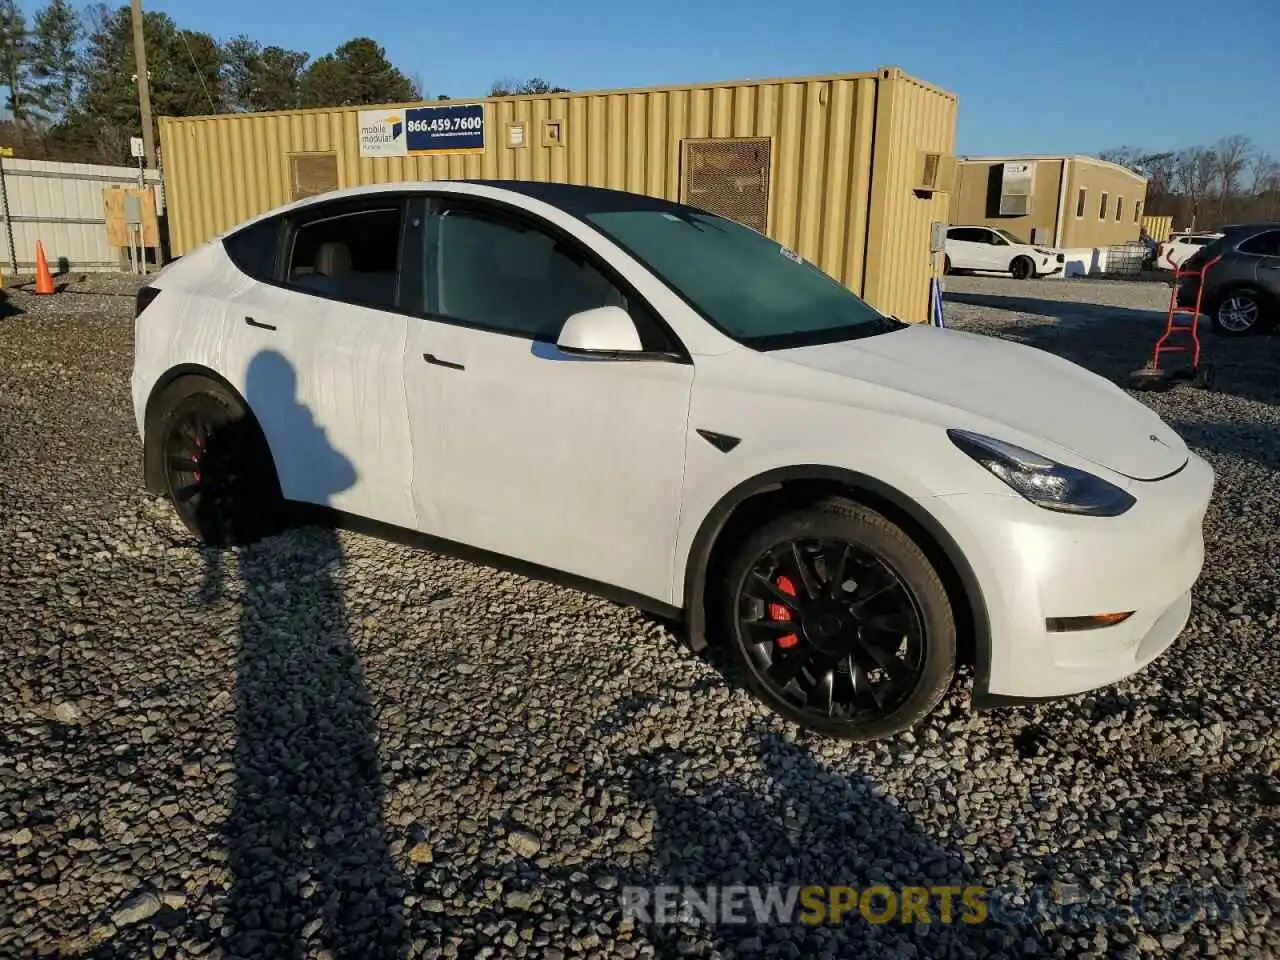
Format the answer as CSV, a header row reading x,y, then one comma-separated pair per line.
x,y
59,204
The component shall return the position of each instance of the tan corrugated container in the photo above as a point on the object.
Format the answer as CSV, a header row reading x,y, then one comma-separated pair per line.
x,y
845,155
1159,229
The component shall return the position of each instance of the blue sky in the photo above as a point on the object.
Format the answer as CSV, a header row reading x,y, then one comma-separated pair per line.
x,y
1033,76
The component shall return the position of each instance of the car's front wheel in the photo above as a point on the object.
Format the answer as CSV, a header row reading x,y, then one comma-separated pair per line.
x,y
840,623
1022,268
217,466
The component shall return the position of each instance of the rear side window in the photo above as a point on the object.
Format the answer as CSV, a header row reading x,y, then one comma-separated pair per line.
x,y
1264,244
352,256
254,249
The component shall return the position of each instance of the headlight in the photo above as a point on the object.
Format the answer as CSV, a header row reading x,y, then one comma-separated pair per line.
x,y
1045,483
1043,253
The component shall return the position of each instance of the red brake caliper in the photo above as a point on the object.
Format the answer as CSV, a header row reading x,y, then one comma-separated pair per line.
x,y
778,612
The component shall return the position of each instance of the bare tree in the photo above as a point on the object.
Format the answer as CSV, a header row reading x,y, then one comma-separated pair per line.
x,y
1205,187
1125,156
1265,171
1232,155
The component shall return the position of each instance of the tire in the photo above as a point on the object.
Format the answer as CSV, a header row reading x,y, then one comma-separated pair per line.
x,y
841,640
1022,268
1204,377
946,266
229,496
1238,313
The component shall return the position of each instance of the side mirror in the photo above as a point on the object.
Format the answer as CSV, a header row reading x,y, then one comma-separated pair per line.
x,y
601,330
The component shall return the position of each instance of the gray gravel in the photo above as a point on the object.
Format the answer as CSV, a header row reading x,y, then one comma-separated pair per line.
x,y
358,750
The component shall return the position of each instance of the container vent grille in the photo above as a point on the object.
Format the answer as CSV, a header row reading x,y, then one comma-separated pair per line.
x,y
313,173
730,178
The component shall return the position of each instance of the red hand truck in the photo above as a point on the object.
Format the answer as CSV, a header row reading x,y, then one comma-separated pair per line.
x,y
1154,377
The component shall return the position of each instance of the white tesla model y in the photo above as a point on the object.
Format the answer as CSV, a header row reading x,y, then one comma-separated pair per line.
x,y
658,405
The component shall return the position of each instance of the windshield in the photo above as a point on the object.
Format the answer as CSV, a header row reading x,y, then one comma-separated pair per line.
x,y
1007,235
746,285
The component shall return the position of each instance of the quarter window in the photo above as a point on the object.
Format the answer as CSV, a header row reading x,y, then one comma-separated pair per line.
x,y
351,256
254,249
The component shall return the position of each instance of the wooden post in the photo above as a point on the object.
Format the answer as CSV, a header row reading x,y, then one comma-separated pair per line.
x,y
144,87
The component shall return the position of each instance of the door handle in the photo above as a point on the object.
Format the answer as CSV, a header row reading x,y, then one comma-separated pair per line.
x,y
432,358
261,326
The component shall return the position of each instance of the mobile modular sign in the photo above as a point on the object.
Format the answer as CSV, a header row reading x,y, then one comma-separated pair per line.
x,y
419,131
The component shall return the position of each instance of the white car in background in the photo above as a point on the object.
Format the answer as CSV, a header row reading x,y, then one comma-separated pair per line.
x,y
992,250
1175,251
644,400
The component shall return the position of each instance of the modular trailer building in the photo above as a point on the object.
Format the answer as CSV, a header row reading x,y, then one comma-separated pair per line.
x,y
1065,202
851,170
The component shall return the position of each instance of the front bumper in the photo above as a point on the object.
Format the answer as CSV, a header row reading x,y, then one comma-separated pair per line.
x,y
1032,565
1047,266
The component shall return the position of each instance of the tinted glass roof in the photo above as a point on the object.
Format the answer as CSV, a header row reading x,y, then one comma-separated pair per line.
x,y
583,201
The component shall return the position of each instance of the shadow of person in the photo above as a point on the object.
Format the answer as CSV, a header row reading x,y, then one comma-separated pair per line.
x,y
309,860
800,824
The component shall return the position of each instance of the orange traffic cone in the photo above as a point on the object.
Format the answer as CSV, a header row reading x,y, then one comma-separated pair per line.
x,y
44,279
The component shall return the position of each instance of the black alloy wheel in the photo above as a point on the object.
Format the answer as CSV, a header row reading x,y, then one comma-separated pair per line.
x,y
841,623
213,464
1022,268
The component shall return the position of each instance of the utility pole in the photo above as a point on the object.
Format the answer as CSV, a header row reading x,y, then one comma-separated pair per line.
x,y
144,88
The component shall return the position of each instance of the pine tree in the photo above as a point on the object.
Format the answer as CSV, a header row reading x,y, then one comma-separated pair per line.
x,y
53,62
14,50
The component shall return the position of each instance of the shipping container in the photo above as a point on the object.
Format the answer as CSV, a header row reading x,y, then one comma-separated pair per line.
x,y
848,170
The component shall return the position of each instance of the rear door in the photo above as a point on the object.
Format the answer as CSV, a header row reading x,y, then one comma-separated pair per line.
x,y
319,353
966,246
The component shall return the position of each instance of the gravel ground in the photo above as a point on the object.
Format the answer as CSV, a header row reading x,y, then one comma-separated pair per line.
x,y
327,746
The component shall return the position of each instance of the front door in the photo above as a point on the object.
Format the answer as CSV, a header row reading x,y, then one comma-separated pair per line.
x,y
574,464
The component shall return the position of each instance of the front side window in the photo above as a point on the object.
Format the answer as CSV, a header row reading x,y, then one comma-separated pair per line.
x,y
351,255
748,286
1263,244
491,270
1004,238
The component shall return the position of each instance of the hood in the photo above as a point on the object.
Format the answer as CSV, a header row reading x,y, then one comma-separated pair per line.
x,y
1032,391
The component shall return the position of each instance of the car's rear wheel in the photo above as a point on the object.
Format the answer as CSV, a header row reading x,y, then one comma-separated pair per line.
x,y
217,467
1237,313
1022,268
946,265
840,623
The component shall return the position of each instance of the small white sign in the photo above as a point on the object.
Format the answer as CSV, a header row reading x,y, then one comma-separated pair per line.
x,y
135,147
515,135
382,133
